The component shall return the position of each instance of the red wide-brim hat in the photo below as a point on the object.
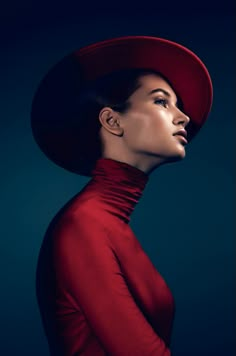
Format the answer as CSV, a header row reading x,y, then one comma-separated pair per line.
x,y
53,106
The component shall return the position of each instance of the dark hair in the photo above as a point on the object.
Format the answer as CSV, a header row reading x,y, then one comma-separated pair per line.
x,y
112,90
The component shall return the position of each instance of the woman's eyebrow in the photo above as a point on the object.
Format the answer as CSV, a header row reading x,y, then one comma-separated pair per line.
x,y
164,92
159,89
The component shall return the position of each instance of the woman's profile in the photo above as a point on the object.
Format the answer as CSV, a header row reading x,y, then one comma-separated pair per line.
x,y
113,111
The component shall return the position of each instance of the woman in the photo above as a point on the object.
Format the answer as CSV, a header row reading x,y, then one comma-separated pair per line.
x,y
114,111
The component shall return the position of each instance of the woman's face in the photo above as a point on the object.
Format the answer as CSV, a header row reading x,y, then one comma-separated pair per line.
x,y
153,119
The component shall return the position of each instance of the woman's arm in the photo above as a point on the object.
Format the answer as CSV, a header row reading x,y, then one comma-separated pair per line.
x,y
87,266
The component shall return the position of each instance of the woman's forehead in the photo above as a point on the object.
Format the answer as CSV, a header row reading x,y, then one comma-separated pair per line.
x,y
151,82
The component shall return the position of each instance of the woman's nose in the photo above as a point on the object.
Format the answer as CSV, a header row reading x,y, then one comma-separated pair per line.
x,y
182,118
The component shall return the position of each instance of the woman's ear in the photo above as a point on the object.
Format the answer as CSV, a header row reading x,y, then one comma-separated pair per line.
x,y
110,121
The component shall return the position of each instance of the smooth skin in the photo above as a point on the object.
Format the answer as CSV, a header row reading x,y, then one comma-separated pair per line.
x,y
144,136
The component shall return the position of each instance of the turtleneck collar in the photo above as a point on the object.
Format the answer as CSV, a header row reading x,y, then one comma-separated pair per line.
x,y
120,186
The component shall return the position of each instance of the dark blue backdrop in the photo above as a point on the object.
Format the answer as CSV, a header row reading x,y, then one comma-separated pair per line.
x,y
185,218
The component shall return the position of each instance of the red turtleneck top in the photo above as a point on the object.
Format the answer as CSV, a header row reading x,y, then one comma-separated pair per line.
x,y
99,293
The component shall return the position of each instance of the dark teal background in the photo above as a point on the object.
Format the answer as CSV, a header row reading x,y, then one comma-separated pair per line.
x,y
184,220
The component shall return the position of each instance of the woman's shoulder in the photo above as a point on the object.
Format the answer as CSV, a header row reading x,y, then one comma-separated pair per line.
x,y
82,214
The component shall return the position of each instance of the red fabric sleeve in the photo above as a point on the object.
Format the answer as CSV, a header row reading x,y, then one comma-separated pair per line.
x,y
88,268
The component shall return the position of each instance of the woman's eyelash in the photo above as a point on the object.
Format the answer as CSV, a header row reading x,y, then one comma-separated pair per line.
x,y
161,102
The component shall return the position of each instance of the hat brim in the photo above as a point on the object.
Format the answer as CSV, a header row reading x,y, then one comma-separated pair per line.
x,y
53,101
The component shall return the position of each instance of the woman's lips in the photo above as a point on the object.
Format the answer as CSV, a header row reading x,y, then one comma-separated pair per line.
x,y
182,138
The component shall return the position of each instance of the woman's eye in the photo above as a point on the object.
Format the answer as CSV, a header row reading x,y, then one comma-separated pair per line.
x,y
162,102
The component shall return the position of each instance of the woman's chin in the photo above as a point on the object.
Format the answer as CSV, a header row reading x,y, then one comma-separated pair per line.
x,y
181,154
